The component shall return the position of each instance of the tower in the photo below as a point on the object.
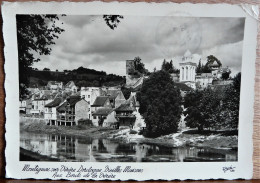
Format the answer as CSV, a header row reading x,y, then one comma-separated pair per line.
x,y
188,69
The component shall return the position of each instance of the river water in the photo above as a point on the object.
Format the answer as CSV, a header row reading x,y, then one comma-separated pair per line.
x,y
68,148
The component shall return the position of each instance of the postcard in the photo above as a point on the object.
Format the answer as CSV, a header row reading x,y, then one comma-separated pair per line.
x,y
129,91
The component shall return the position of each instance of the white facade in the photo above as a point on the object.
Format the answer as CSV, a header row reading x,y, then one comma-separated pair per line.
x,y
188,70
50,114
90,94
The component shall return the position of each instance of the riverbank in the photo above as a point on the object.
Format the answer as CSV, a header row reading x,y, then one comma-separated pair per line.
x,y
217,140
188,137
78,131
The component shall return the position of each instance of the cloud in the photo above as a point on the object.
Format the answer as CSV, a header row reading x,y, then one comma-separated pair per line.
x,y
89,42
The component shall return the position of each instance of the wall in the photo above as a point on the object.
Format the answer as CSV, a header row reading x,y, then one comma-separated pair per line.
x,y
81,110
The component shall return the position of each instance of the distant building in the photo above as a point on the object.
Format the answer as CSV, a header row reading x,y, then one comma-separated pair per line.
x,y
66,111
39,102
116,97
50,114
101,102
126,113
55,85
70,86
90,94
188,70
204,80
104,117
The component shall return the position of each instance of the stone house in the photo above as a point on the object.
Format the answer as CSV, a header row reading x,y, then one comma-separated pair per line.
x,y
81,110
116,97
90,94
104,117
38,104
50,114
66,111
55,85
100,102
70,86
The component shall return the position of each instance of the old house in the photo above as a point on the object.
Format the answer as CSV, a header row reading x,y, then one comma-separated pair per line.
x,y
204,80
81,110
104,117
100,102
55,85
116,97
90,94
66,111
70,86
50,114
39,102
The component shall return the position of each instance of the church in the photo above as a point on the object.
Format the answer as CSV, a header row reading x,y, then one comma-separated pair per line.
x,y
195,80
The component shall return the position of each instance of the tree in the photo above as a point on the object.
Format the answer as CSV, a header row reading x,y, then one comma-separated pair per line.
x,y
139,66
46,69
199,68
160,104
35,33
112,21
225,75
201,108
168,67
231,102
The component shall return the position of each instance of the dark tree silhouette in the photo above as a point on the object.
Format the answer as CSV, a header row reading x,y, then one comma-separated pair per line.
x,y
35,33
112,20
160,104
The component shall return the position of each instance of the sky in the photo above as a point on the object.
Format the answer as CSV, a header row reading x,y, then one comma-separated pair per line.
x,y
89,42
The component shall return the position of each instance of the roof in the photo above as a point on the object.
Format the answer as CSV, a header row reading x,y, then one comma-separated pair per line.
x,y
183,87
103,111
125,107
100,101
72,100
70,84
56,102
112,94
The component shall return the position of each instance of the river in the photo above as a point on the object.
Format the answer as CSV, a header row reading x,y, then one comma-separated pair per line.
x,y
70,148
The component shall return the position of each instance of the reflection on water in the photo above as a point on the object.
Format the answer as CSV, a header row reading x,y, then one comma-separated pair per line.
x,y
68,148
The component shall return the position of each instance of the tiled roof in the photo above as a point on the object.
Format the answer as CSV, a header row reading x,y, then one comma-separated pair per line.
x,y
100,101
112,94
72,100
56,102
103,111
125,107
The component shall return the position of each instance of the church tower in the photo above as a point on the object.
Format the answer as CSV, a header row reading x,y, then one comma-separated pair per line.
x,y
188,69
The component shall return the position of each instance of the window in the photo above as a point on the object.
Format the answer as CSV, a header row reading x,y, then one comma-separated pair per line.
x,y
88,109
104,117
88,96
94,117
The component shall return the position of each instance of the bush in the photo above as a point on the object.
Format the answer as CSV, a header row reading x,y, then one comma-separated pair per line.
x,y
85,122
133,132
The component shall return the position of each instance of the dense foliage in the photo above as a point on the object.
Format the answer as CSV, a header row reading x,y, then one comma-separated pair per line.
x,y
214,108
168,67
35,33
160,104
82,77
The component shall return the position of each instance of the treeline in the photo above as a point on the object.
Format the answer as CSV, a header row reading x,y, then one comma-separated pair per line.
x,y
214,108
81,76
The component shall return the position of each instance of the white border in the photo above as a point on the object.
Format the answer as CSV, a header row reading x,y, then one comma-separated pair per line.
x,y
155,171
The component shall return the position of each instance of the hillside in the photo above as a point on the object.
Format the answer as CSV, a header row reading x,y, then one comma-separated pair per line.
x,y
81,76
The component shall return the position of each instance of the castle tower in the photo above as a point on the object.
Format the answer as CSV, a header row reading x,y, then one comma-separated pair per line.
x,y
188,69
